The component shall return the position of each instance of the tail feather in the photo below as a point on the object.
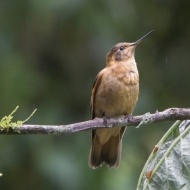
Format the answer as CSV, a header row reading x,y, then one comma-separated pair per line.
x,y
110,152
113,156
95,158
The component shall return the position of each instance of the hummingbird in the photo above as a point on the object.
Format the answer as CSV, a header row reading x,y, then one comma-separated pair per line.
x,y
114,95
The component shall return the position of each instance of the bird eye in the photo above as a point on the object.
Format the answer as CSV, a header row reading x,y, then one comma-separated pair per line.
x,y
121,48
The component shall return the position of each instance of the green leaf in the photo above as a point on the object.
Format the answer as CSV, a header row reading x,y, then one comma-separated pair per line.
x,y
168,166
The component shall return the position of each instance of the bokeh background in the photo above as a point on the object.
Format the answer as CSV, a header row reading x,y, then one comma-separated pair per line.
x,y
50,54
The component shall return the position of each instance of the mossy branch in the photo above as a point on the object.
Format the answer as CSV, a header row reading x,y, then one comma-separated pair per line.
x,y
170,114
6,122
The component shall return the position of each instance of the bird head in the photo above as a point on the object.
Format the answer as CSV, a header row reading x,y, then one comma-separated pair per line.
x,y
122,52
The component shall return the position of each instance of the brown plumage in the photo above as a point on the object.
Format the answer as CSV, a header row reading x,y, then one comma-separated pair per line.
x,y
115,93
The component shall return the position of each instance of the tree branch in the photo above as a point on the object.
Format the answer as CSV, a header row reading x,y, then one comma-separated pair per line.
x,y
166,115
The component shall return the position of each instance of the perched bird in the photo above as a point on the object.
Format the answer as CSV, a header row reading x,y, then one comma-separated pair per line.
x,y
115,93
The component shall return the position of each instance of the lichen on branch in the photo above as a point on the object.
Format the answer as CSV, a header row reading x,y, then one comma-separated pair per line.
x,y
6,121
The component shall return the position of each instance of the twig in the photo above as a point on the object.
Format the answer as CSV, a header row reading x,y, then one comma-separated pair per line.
x,y
170,114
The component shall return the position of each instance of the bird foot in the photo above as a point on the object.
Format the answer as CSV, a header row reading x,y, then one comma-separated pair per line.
x,y
128,117
105,118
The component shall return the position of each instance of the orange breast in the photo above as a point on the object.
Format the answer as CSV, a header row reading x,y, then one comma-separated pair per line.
x,y
118,92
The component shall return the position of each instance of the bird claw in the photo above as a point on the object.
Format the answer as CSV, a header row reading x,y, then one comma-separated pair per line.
x,y
105,118
128,117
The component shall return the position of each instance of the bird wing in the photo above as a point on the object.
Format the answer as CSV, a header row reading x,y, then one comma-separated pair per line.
x,y
96,84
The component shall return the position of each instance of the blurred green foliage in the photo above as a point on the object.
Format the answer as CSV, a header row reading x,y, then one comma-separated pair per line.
x,y
50,53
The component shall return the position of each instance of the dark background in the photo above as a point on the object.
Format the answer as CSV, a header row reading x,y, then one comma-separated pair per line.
x,y
50,53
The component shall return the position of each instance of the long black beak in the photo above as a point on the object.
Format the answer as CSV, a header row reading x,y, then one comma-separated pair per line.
x,y
138,41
